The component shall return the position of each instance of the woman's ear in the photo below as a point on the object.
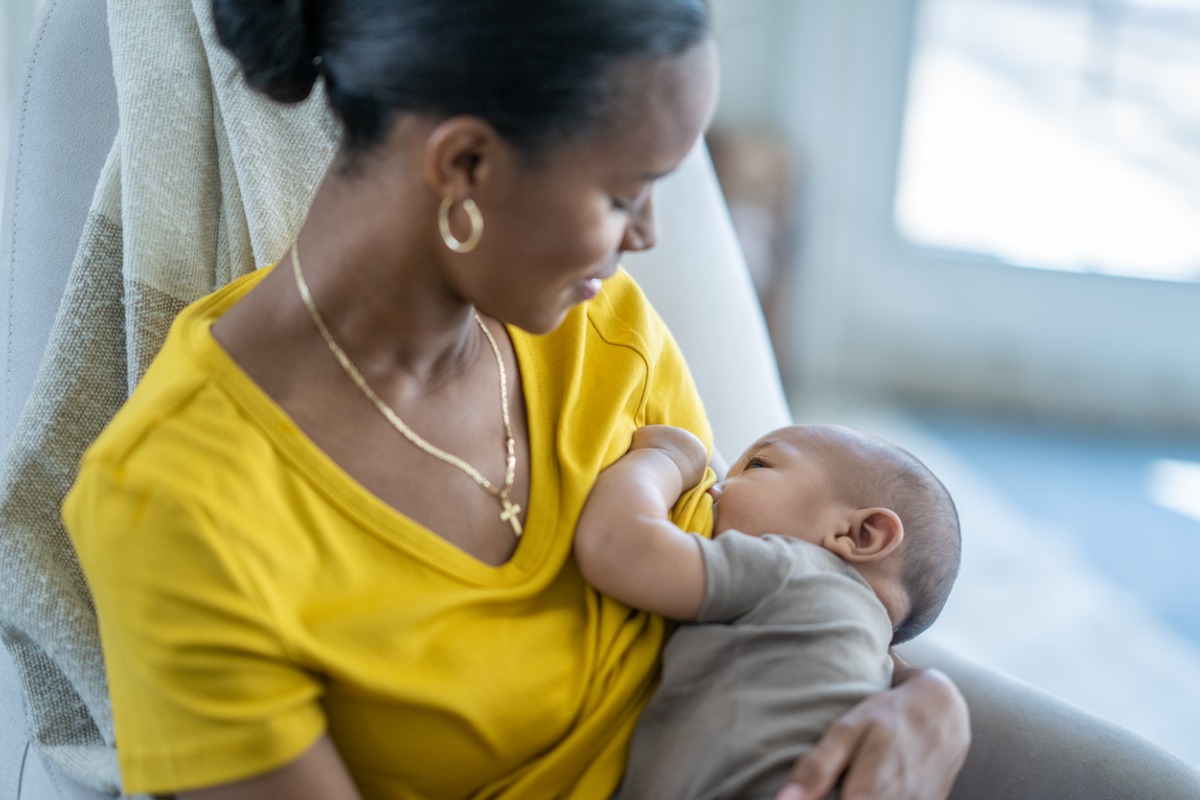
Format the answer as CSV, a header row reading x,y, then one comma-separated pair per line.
x,y
458,155
872,534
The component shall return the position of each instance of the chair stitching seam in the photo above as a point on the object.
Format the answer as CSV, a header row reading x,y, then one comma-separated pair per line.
x,y
35,52
21,770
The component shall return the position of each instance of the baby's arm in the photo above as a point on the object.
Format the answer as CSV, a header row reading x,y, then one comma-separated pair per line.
x,y
626,545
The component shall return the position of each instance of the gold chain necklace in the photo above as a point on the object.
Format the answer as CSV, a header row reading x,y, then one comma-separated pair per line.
x,y
509,511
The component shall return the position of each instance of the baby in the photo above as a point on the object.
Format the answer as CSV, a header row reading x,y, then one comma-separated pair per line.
x,y
827,547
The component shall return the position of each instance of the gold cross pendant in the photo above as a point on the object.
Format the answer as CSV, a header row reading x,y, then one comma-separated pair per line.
x,y
509,514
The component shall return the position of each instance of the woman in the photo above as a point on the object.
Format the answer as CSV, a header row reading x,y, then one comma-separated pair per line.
x,y
363,465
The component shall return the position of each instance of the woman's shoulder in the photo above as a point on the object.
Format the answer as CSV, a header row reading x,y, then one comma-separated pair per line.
x,y
187,400
183,430
176,415
622,314
183,466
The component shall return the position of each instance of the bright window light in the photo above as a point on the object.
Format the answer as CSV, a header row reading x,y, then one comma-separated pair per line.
x,y
1176,485
1056,133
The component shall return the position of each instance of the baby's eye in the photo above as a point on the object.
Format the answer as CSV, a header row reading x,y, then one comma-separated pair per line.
x,y
755,462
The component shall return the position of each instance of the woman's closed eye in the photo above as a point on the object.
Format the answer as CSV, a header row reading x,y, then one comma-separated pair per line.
x,y
631,205
626,205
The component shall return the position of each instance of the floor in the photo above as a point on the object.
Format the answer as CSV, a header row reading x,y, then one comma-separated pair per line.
x,y
1079,561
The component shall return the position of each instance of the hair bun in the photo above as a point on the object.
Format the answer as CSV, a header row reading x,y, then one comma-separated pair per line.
x,y
274,42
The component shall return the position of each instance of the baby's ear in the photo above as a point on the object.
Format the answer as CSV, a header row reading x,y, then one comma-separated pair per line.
x,y
872,534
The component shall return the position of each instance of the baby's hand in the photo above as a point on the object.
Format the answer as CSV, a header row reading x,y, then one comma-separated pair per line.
x,y
681,446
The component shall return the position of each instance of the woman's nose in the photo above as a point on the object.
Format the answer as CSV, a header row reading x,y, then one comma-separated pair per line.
x,y
641,233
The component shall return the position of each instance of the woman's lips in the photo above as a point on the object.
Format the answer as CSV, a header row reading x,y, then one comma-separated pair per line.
x,y
587,289
590,286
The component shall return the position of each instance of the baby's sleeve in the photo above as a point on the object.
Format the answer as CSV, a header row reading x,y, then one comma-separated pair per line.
x,y
204,690
740,572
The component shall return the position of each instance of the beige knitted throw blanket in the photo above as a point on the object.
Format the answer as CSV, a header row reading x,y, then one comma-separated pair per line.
x,y
204,181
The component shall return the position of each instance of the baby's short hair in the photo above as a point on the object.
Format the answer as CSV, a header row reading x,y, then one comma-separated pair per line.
x,y
932,549
931,552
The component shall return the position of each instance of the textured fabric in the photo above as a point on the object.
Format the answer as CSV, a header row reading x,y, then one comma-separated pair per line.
x,y
251,595
790,638
203,181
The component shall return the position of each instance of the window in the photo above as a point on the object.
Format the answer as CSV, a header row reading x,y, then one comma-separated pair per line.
x,y
1056,133
904,287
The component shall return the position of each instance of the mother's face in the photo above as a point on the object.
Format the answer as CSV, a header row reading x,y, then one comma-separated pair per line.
x,y
555,230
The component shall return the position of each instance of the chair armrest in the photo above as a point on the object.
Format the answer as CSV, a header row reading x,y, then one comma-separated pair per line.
x,y
1028,744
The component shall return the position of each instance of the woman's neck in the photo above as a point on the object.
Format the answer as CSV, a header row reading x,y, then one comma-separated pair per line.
x,y
373,272
372,269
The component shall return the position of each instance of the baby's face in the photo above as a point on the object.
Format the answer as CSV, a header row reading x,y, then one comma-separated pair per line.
x,y
782,484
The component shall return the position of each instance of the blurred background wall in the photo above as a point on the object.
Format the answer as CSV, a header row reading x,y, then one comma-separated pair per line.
x,y
995,204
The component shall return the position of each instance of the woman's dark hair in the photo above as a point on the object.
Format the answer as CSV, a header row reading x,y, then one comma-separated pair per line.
x,y
538,70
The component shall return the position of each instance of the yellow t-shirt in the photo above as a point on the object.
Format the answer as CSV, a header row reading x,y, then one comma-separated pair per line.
x,y
251,595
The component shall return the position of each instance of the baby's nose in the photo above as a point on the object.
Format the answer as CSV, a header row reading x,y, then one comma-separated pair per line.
x,y
715,490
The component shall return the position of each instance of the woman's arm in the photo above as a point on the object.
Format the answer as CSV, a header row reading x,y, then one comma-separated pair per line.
x,y
907,743
319,774
625,543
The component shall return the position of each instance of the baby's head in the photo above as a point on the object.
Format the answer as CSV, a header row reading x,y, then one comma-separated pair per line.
x,y
871,503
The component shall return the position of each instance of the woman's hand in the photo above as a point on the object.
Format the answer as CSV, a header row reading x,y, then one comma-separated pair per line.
x,y
907,743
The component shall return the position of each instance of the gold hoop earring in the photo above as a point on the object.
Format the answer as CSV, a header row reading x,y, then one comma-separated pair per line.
x,y
455,244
